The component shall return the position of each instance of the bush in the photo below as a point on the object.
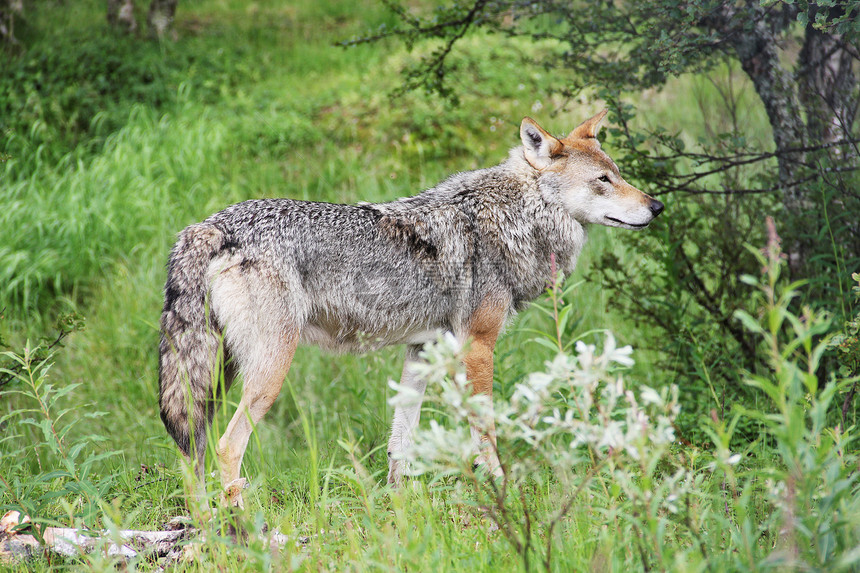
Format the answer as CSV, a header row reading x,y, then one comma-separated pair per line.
x,y
577,428
49,474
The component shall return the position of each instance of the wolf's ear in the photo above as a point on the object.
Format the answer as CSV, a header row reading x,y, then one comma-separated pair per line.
x,y
539,146
588,128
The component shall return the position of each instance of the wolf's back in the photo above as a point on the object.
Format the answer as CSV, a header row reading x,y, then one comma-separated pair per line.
x,y
190,339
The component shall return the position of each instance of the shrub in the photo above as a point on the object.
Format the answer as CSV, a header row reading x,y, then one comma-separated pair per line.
x,y
604,446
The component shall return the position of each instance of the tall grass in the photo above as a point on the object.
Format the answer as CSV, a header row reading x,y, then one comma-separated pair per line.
x,y
68,222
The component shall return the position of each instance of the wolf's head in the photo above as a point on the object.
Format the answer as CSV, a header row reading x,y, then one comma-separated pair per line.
x,y
577,173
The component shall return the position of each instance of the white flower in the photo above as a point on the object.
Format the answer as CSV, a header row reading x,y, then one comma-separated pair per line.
x,y
664,433
650,396
618,355
437,449
613,436
405,396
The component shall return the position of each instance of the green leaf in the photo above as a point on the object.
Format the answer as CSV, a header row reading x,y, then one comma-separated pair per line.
x,y
748,321
545,342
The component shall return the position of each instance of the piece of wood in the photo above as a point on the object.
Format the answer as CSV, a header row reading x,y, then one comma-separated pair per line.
x,y
128,543
74,542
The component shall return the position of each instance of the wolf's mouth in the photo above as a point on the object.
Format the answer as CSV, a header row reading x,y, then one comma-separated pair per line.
x,y
638,226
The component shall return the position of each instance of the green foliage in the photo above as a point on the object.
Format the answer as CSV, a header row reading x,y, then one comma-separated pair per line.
x,y
636,45
847,342
830,16
574,427
66,486
73,483
66,324
66,220
680,280
814,487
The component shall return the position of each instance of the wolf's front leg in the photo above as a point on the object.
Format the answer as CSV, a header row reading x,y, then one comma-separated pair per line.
x,y
479,371
405,418
484,328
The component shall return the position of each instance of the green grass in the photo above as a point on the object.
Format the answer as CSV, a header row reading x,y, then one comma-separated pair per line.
x,y
125,142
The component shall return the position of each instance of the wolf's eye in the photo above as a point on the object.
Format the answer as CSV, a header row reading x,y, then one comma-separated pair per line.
x,y
604,178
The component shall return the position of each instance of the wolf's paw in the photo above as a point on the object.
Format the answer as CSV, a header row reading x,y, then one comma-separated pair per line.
x,y
232,494
178,523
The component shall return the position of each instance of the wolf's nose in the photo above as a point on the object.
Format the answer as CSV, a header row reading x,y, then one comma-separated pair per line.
x,y
656,207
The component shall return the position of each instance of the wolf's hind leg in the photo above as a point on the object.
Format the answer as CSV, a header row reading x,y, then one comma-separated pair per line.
x,y
263,372
261,317
405,418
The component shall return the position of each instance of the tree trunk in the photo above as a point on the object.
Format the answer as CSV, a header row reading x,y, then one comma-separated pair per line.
x,y
827,85
775,87
828,92
160,17
813,106
754,33
120,15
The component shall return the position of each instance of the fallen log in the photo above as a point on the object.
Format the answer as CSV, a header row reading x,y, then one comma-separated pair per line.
x,y
17,545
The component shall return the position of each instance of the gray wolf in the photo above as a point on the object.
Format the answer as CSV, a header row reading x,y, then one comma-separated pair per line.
x,y
249,284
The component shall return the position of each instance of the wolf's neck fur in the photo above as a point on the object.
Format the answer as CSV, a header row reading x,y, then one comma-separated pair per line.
x,y
513,213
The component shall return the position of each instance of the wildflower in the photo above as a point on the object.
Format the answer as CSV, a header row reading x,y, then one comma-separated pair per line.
x,y
650,396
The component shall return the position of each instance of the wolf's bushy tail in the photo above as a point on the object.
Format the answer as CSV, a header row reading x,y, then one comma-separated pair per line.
x,y
190,341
